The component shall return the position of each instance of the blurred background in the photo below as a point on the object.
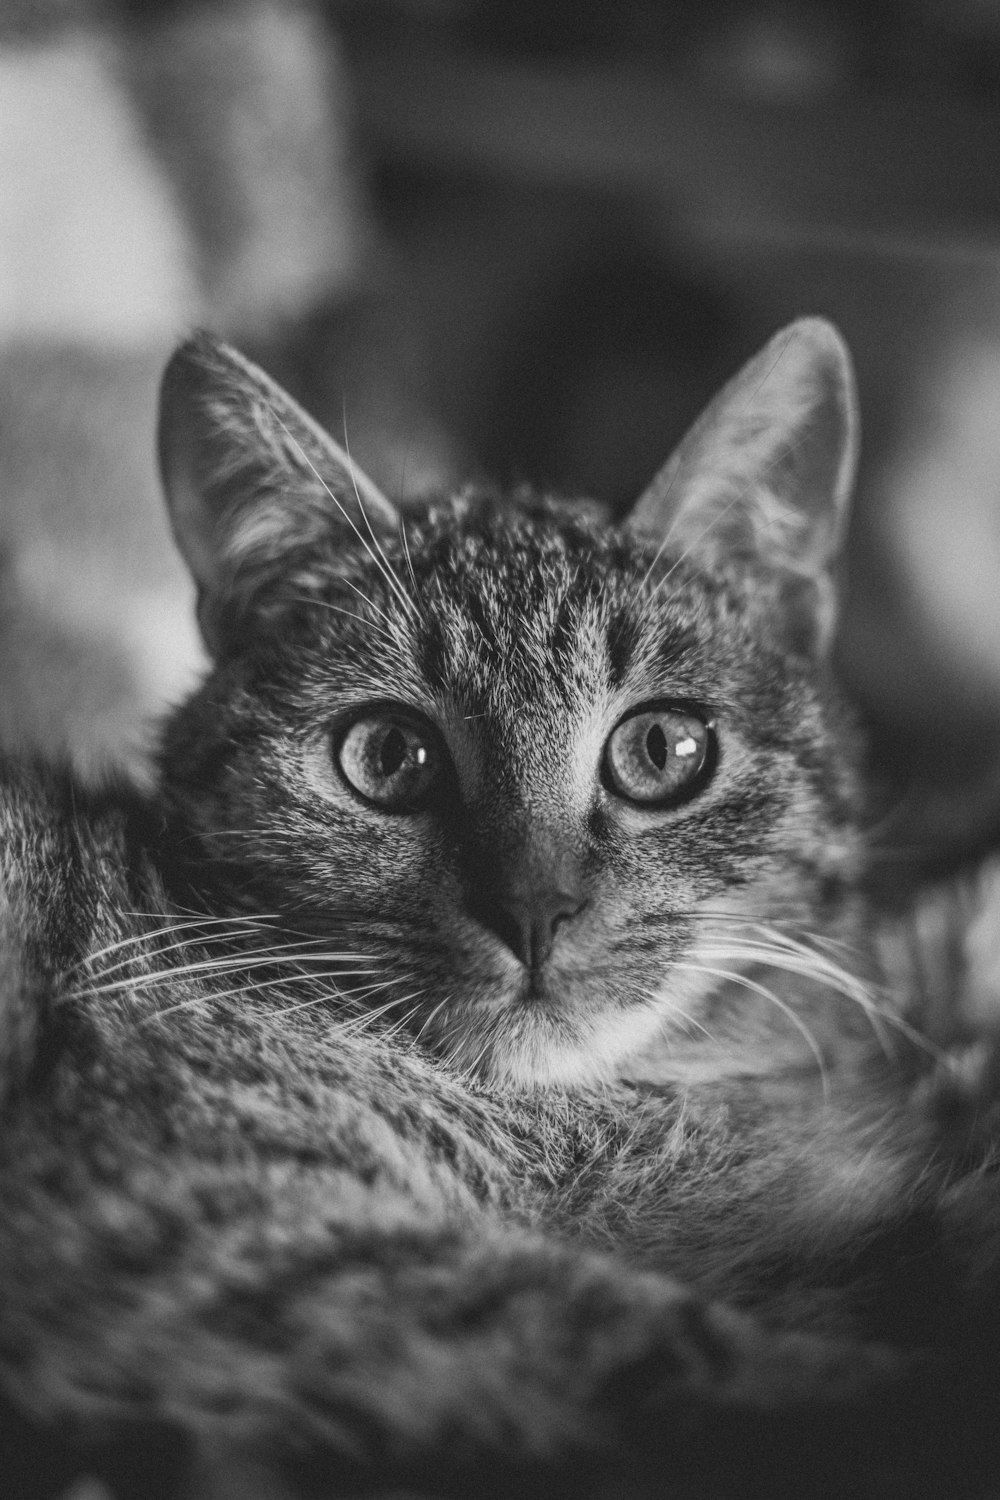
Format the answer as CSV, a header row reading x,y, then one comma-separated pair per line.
x,y
516,240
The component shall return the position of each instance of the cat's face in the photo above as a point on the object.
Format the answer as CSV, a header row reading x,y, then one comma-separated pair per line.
x,y
523,770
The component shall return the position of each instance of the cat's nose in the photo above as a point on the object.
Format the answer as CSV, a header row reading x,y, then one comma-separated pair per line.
x,y
528,922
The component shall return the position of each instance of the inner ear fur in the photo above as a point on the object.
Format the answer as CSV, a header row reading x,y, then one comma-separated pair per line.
x,y
249,477
764,476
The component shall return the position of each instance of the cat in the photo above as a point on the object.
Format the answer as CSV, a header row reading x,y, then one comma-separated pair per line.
x,y
466,1072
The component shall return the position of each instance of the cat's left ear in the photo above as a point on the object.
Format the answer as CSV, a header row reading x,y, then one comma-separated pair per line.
x,y
764,477
250,480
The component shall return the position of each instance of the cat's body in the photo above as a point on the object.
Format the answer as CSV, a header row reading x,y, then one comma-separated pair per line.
x,y
229,1214
484,987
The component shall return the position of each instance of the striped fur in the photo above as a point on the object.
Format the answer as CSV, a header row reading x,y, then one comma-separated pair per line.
x,y
318,1179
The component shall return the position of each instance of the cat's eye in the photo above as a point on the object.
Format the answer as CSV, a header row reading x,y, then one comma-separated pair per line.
x,y
391,759
658,756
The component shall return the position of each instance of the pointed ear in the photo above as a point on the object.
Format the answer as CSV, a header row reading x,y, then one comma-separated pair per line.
x,y
763,478
250,479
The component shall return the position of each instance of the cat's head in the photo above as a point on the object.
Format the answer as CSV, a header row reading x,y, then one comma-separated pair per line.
x,y
522,769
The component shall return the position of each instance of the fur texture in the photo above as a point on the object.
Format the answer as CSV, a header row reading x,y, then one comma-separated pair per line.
x,y
467,1072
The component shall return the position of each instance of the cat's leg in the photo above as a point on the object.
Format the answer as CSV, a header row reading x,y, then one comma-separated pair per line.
x,y
501,1365
475,1360
519,1369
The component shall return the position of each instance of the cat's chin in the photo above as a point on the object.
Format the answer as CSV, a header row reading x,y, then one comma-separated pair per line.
x,y
536,1038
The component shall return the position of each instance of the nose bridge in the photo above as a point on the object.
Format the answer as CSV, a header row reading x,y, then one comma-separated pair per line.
x,y
531,757
541,859
526,884
525,823
519,847
525,834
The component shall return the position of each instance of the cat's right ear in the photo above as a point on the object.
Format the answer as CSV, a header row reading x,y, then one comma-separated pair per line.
x,y
763,478
250,480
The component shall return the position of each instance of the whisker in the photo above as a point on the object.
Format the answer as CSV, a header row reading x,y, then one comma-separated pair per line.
x,y
408,603
691,1020
350,614
350,997
494,1031
796,959
402,1023
734,977
254,986
375,553
203,968
406,552
199,938
433,1015
392,624
367,1018
169,927
796,956
771,928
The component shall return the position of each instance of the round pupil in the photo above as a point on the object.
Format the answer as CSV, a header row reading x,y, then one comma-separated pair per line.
x,y
656,747
393,752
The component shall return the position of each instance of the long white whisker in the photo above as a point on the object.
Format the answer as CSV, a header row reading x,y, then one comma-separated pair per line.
x,y
771,930
276,951
350,614
376,554
210,995
228,965
205,999
796,956
783,952
744,980
167,929
493,1025
406,554
691,1020
401,592
390,622
433,1015
366,1019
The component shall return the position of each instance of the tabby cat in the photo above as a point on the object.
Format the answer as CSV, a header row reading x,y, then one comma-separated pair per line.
x,y
467,1072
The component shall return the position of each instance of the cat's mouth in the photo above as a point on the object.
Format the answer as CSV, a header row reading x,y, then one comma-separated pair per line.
x,y
555,992
549,985
558,985
535,988
543,1026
